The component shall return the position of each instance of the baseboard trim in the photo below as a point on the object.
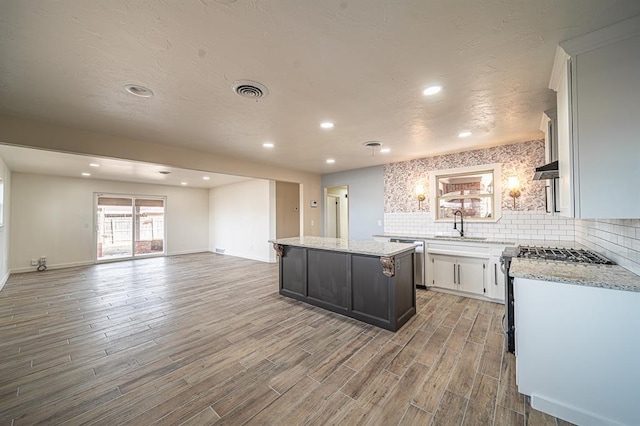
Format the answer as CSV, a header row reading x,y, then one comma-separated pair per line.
x,y
54,266
4,280
569,413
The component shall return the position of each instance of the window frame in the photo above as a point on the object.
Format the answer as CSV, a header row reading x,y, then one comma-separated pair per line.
x,y
495,168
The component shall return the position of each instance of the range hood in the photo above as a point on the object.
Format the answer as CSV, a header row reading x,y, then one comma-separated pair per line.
x,y
548,171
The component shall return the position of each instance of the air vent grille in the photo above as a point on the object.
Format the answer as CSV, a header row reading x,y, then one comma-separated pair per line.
x,y
250,89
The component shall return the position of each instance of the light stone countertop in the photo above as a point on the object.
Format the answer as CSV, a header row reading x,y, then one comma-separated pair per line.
x,y
613,277
499,241
373,248
447,238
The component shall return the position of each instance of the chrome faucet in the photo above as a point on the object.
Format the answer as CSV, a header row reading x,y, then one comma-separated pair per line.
x,y
455,225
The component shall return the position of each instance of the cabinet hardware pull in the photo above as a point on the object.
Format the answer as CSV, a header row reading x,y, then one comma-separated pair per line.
x,y
495,273
454,273
459,274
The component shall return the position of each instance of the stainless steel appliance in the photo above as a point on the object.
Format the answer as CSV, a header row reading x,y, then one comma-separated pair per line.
x,y
418,262
540,253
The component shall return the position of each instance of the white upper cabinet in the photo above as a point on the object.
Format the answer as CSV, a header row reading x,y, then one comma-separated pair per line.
x,y
596,77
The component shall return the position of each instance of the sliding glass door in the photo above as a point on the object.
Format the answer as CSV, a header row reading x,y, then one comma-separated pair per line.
x,y
129,226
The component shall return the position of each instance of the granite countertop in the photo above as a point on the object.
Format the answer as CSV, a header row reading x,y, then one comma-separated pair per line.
x,y
448,238
613,277
373,248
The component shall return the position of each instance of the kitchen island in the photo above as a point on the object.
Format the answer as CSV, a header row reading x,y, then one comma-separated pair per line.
x,y
367,280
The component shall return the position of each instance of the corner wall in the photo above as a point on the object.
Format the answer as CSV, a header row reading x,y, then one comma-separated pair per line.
x,y
366,199
242,219
5,234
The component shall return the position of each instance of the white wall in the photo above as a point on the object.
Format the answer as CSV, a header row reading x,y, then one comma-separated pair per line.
x,y
53,216
5,175
242,219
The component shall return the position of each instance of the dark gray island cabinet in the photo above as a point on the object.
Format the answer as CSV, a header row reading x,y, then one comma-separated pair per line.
x,y
367,280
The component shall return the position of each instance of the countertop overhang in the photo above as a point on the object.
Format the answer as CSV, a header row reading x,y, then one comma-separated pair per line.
x,y
372,248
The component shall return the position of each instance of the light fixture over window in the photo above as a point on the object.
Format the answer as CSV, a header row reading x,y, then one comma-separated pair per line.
x,y
514,189
420,195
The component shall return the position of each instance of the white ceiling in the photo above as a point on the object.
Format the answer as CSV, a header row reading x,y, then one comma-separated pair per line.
x,y
359,63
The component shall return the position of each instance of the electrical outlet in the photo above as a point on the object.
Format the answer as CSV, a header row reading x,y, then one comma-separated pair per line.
x,y
34,262
43,259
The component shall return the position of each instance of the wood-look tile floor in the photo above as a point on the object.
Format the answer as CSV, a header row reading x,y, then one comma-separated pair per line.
x,y
206,339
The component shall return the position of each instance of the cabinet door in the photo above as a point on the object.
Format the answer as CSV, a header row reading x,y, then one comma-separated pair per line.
x,y
495,287
470,274
444,271
565,147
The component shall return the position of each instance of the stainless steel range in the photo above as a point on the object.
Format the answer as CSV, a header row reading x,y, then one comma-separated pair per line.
x,y
569,255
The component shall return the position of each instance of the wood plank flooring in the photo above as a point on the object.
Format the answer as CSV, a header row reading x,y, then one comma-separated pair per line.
x,y
206,339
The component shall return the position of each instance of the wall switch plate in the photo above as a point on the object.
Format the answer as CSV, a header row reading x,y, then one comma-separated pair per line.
x,y
379,223
34,262
312,222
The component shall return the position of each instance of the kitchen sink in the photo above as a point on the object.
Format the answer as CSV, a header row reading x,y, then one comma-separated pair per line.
x,y
454,237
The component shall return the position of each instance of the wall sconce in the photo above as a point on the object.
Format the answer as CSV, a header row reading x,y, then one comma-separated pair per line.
x,y
420,195
514,189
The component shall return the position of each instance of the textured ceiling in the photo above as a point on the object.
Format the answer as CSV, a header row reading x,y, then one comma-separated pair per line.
x,y
359,63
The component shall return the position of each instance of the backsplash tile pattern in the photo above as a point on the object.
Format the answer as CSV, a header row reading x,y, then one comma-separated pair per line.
x,y
617,239
521,159
514,225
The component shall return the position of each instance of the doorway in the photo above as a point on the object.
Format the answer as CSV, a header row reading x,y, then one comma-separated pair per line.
x,y
129,226
336,218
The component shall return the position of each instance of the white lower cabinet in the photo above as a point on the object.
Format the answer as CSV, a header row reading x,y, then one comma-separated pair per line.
x,y
468,268
459,273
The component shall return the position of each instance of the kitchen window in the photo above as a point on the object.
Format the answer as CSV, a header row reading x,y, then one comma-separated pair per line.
x,y
472,190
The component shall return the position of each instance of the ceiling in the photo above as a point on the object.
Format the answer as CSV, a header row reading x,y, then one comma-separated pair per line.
x,y
361,64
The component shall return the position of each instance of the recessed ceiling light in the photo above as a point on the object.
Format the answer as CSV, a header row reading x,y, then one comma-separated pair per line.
x,y
464,134
326,125
431,90
137,90
205,178
385,150
268,145
94,165
330,161
86,174
183,183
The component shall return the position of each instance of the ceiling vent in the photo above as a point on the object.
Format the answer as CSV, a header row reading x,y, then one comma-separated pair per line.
x,y
250,89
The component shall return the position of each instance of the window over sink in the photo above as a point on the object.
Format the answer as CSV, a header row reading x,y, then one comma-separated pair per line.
x,y
474,191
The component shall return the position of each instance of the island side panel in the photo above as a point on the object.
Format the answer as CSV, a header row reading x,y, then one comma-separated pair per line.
x,y
371,290
293,272
404,290
329,278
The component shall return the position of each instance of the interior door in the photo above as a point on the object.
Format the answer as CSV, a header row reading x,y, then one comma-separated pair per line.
x,y
129,226
332,207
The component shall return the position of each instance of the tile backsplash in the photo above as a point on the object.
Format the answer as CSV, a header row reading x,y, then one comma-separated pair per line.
x,y
514,225
617,239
